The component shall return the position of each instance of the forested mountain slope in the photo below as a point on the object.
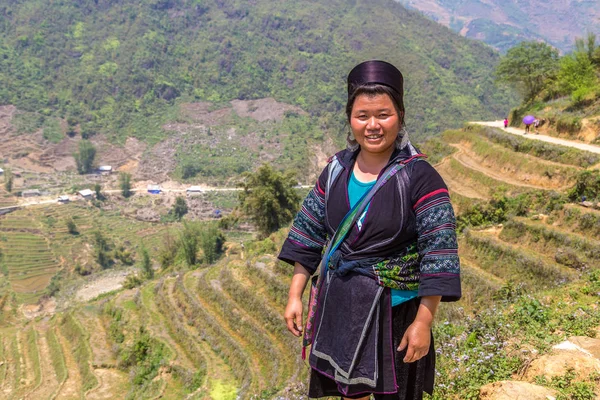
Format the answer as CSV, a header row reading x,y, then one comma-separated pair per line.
x,y
118,67
502,23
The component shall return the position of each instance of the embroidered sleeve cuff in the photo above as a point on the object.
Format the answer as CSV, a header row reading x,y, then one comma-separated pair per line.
x,y
446,285
309,258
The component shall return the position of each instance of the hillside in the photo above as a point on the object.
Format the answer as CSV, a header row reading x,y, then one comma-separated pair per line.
x,y
530,267
143,70
502,24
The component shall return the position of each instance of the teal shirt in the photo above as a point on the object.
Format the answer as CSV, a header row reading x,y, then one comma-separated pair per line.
x,y
356,190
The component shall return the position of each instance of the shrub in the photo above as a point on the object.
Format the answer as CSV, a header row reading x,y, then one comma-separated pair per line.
x,y
188,242
71,227
269,198
587,184
211,242
180,208
146,265
84,158
125,184
132,281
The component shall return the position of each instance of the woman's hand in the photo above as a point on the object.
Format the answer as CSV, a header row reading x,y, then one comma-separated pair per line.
x,y
293,316
416,341
417,338
293,310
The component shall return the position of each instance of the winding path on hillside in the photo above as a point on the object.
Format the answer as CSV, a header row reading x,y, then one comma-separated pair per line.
x,y
544,138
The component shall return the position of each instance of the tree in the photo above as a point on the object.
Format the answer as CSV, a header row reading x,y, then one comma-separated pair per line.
x,y
71,227
188,242
211,242
167,253
125,184
527,67
103,256
85,157
269,198
98,190
577,74
8,180
146,266
180,208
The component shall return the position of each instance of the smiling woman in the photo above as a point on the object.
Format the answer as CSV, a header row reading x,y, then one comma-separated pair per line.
x,y
391,256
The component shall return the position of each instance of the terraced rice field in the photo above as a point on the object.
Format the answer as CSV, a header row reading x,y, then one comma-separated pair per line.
x,y
27,257
216,332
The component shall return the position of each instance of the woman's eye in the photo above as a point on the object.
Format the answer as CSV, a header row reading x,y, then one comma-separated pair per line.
x,y
383,115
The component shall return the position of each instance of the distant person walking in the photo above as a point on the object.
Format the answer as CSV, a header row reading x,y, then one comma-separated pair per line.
x,y
528,120
536,124
505,123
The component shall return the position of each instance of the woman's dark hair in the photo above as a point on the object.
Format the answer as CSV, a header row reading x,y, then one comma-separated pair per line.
x,y
373,89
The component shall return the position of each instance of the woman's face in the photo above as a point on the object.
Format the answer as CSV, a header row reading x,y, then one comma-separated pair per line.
x,y
375,123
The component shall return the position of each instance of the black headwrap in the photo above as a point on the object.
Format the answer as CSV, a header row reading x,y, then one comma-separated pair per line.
x,y
375,71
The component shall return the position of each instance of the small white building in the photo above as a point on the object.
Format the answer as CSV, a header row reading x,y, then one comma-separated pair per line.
x,y
194,189
31,193
105,168
154,189
86,193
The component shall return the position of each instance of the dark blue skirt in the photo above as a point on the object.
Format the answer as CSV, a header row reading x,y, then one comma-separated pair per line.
x,y
412,378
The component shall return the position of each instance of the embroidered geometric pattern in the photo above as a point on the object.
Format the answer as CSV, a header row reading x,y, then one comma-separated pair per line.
x,y
401,271
436,226
308,229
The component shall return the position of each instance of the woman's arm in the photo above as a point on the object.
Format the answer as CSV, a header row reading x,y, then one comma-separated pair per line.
x,y
293,310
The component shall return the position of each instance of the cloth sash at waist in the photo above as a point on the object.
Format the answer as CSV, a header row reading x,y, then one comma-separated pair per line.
x,y
352,343
399,271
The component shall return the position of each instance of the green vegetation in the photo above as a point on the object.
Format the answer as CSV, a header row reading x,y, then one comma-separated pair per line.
x,y
72,227
269,198
58,361
527,66
98,191
8,180
566,93
189,239
536,148
179,209
125,184
587,186
146,264
77,339
121,68
211,243
85,157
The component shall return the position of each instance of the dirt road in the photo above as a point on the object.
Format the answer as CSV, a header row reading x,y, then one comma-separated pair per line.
x,y
543,138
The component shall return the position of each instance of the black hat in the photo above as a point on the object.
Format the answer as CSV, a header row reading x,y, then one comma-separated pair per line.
x,y
376,71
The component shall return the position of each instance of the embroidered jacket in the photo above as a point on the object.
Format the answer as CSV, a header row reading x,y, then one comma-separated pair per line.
x,y
410,220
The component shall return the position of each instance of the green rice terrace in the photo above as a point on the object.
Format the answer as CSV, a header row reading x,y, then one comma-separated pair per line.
x,y
76,323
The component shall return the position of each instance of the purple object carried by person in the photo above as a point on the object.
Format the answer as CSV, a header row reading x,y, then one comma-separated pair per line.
x,y
528,119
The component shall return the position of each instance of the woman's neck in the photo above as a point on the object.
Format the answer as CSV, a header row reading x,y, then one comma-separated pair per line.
x,y
368,165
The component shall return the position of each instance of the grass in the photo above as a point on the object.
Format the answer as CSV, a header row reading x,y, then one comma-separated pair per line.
x,y
543,150
503,159
222,390
78,340
34,356
58,361
486,183
547,239
514,264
